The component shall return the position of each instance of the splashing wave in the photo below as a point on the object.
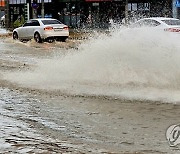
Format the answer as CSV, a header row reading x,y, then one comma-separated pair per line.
x,y
128,63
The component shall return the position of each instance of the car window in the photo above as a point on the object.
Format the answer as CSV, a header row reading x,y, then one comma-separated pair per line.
x,y
171,22
35,23
137,24
152,23
28,23
146,23
50,22
31,23
141,23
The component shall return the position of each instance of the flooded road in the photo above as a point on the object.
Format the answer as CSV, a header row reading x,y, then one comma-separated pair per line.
x,y
17,132
41,112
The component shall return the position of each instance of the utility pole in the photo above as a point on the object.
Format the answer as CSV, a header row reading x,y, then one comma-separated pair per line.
x,y
7,15
42,8
126,12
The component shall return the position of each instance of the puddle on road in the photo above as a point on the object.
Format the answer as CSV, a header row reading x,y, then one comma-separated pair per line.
x,y
45,45
17,132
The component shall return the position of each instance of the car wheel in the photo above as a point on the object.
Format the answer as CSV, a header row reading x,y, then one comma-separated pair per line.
x,y
15,36
37,38
63,39
2,24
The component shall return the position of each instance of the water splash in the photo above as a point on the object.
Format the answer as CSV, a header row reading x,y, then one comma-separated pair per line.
x,y
128,63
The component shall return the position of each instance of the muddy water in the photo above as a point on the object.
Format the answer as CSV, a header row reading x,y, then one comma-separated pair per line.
x,y
22,126
17,133
41,120
124,64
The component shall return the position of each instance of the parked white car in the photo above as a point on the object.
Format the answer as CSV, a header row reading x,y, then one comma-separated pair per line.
x,y
42,29
3,20
166,24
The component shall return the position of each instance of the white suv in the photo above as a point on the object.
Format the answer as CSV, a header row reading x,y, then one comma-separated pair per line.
x,y
42,29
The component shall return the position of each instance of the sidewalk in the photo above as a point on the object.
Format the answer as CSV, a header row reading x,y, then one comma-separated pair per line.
x,y
4,32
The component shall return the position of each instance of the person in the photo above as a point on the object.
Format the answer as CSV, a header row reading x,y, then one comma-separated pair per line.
x,y
19,21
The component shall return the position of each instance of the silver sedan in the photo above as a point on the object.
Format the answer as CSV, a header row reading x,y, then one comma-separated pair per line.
x,y
161,23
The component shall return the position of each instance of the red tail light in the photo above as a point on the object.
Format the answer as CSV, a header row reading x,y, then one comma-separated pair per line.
x,y
48,28
66,28
172,30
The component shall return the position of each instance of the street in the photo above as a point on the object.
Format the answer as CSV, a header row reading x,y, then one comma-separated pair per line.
x,y
74,97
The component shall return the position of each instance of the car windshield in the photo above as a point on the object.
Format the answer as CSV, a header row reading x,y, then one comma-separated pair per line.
x,y
50,22
146,23
172,22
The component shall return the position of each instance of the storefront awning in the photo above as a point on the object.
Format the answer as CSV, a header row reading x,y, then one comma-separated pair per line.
x,y
2,3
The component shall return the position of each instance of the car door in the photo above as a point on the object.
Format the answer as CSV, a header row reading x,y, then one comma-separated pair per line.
x,y
33,26
30,29
23,31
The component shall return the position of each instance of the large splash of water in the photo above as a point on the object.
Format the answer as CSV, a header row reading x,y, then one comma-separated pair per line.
x,y
128,63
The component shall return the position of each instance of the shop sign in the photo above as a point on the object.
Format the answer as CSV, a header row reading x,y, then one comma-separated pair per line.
x,y
2,3
95,4
177,3
34,4
143,7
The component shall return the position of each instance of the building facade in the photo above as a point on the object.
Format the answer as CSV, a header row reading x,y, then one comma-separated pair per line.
x,y
2,7
88,13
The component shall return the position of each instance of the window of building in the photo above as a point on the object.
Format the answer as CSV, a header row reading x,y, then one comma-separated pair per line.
x,y
17,1
138,6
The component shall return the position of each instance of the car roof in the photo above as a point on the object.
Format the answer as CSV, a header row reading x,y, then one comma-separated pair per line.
x,y
160,18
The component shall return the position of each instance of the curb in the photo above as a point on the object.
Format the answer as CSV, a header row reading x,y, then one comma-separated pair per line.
x,y
6,34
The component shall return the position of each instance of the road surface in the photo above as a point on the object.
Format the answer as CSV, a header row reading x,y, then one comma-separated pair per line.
x,y
37,120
